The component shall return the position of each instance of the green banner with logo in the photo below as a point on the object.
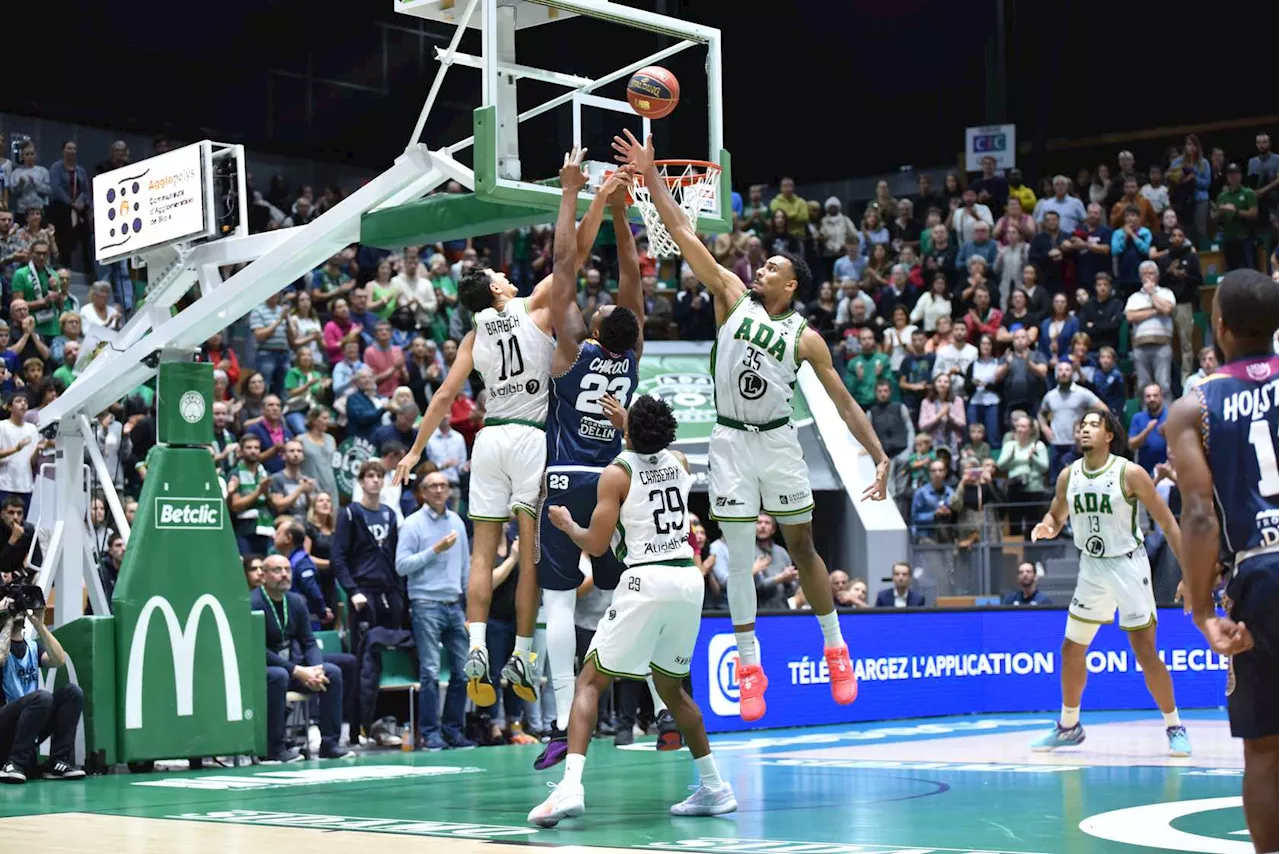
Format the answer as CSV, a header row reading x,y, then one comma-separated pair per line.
x,y
685,382
191,665
351,453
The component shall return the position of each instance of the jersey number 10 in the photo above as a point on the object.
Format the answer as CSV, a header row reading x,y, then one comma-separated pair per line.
x,y
512,362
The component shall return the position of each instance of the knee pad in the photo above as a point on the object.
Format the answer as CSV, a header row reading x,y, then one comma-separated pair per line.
x,y
740,537
1078,631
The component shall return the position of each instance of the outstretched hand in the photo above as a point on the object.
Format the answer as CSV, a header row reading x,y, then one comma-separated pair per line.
x,y
572,176
879,488
631,151
617,185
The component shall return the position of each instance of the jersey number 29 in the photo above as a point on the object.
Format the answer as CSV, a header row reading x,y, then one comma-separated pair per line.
x,y
669,515
596,386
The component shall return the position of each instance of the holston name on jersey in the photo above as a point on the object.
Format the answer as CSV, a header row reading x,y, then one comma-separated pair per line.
x,y
1250,403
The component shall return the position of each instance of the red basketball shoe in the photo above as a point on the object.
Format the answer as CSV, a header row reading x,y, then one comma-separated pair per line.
x,y
844,682
751,686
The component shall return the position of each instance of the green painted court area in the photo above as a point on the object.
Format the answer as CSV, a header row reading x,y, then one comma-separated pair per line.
x,y
937,784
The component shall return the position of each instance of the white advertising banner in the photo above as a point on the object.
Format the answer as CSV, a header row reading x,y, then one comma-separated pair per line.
x,y
157,201
996,141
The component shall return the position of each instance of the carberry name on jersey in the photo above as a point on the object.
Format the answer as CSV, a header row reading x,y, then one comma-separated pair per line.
x,y
763,336
611,367
663,475
501,323
199,513
1249,403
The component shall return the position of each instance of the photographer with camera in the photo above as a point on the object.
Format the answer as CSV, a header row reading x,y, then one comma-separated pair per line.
x,y
30,715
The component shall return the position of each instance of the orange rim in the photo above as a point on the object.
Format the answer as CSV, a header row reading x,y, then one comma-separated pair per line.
x,y
709,169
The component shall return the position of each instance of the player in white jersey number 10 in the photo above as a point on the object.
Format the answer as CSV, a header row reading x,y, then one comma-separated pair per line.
x,y
1101,493
511,346
754,454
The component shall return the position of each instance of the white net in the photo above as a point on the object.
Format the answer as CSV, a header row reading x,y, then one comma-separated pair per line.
x,y
693,184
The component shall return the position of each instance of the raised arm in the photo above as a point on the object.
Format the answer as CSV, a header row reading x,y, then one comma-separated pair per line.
x,y
566,317
814,351
585,238
630,294
1051,525
438,408
612,490
724,284
1139,484
1199,553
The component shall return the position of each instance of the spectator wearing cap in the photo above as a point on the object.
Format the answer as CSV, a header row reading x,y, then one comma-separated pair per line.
x,y
1238,212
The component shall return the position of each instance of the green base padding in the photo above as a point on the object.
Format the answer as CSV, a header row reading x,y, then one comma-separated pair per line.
x,y
90,645
191,655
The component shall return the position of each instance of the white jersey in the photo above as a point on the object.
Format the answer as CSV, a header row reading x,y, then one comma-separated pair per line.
x,y
754,362
653,525
513,355
1104,518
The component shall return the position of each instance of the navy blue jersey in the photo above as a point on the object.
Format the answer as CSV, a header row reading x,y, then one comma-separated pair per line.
x,y
1238,427
578,433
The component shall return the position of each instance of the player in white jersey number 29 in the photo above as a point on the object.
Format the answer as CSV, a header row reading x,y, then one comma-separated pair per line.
x,y
754,454
652,624
1101,492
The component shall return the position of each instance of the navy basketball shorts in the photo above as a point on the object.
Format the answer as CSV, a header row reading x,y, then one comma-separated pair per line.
x,y
1252,681
558,556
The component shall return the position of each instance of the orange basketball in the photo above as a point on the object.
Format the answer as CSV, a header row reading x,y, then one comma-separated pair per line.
x,y
653,92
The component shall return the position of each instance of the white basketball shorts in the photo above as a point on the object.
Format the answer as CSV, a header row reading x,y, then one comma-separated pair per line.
x,y
507,462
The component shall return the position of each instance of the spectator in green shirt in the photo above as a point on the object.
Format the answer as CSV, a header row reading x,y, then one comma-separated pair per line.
x,y
1237,211
66,372
38,284
866,368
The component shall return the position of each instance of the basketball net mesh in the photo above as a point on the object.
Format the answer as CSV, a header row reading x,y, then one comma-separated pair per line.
x,y
694,186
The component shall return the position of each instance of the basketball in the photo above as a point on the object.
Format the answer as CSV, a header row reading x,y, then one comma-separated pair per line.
x,y
653,92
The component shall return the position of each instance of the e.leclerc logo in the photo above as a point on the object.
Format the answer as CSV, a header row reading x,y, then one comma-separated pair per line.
x,y
722,674
203,514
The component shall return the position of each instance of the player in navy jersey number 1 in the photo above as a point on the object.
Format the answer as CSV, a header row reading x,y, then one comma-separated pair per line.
x,y
1222,436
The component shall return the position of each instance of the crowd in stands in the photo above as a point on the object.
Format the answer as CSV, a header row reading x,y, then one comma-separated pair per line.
x,y
975,322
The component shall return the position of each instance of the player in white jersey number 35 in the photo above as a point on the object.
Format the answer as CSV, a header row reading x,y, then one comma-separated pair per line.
x,y
1101,493
754,455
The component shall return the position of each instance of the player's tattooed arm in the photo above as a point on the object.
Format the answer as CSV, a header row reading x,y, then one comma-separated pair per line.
x,y
723,284
612,490
1139,484
813,349
438,408
1051,525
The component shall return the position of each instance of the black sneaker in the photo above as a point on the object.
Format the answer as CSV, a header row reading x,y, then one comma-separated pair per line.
x,y
287,756
62,771
624,737
11,774
669,737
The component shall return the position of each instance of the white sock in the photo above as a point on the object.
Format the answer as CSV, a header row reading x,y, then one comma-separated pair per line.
x,y
478,632
573,770
831,636
344,734
659,705
740,537
524,646
562,643
707,771
747,652
1070,717
1171,718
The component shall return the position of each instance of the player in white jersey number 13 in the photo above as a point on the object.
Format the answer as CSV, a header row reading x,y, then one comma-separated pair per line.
x,y
754,454
652,623
1101,493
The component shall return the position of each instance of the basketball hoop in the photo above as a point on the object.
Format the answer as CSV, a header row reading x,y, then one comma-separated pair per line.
x,y
695,184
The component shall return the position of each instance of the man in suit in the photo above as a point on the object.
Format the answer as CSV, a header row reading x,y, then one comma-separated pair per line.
x,y
294,663
901,596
